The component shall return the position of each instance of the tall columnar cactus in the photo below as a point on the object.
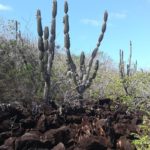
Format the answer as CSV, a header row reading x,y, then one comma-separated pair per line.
x,y
16,29
121,64
46,48
82,80
129,71
135,67
129,65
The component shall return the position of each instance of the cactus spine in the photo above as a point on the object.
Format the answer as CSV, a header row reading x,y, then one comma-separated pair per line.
x,y
46,49
83,80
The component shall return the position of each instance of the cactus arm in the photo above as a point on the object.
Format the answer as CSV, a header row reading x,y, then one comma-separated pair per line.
x,y
122,71
45,60
129,65
120,61
46,49
82,65
40,40
121,65
70,63
94,74
135,67
51,48
86,76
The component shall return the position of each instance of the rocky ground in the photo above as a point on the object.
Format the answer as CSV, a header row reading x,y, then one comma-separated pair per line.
x,y
101,125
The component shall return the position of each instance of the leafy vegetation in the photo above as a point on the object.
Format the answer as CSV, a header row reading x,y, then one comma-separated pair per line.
x,y
143,140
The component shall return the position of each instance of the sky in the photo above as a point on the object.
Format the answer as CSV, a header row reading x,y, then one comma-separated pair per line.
x,y
127,20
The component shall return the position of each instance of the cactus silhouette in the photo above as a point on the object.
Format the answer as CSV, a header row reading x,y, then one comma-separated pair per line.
x,y
83,79
129,71
46,48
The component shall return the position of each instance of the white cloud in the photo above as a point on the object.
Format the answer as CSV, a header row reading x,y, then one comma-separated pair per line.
x,y
5,7
92,22
118,15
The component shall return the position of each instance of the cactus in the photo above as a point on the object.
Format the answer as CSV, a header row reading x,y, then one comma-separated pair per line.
x,y
129,65
46,48
129,71
16,29
135,67
121,63
82,80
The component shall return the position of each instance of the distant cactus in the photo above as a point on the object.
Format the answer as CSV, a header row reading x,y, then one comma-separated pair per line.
x,y
16,29
129,71
82,80
46,48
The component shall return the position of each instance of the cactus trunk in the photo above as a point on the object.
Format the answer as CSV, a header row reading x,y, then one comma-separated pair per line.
x,y
83,80
129,71
47,48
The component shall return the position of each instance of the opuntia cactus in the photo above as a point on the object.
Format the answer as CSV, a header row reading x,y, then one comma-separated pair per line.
x,y
46,48
82,80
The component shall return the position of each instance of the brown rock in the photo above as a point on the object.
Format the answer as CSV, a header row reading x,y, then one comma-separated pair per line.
x,y
124,144
59,146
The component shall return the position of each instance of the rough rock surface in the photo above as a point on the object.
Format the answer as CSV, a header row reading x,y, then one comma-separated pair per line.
x,y
104,125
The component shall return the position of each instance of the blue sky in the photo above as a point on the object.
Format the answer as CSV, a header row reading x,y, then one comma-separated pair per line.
x,y
128,20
